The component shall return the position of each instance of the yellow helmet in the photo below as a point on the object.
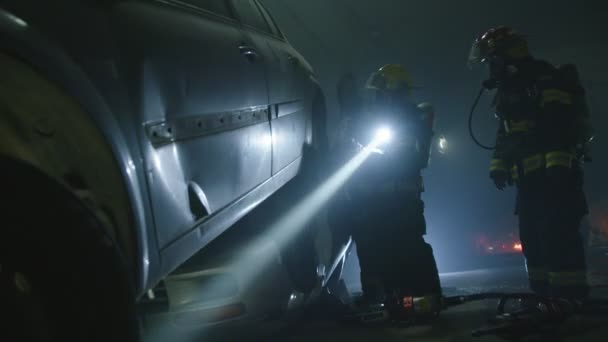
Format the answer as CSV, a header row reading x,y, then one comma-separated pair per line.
x,y
390,77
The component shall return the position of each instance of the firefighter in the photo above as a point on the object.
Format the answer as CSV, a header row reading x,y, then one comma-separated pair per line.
x,y
541,141
382,204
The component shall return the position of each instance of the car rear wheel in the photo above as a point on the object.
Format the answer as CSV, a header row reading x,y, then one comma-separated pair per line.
x,y
61,278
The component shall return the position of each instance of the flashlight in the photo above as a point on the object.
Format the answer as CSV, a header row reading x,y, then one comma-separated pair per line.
x,y
383,135
442,145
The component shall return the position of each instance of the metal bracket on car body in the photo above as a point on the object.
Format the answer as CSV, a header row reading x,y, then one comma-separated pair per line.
x,y
166,132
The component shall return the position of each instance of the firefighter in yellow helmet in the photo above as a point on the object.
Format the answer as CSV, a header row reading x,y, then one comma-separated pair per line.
x,y
382,206
541,141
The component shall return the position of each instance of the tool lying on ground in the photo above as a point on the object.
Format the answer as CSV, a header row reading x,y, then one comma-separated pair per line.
x,y
371,315
400,310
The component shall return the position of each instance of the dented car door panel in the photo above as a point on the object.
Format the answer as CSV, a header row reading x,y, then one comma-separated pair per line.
x,y
203,105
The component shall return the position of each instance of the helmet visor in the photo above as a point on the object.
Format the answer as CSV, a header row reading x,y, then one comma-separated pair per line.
x,y
376,82
477,54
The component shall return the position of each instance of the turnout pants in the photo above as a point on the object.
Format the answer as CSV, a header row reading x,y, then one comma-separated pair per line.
x,y
550,213
393,256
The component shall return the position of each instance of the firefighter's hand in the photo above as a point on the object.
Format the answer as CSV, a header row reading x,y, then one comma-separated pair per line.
x,y
500,179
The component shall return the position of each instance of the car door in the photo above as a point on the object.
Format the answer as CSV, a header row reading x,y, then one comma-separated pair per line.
x,y
288,103
203,103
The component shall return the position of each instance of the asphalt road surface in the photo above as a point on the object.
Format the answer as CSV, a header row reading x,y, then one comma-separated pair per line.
x,y
454,324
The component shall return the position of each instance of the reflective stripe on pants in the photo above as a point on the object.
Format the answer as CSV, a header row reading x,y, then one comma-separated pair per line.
x,y
498,165
559,158
567,278
555,96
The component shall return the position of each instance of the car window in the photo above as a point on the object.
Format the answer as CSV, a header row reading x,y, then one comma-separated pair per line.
x,y
250,15
270,20
219,7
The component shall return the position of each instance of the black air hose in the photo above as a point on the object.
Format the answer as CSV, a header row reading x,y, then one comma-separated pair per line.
x,y
477,142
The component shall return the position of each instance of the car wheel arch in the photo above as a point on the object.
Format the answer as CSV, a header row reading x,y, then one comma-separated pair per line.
x,y
16,143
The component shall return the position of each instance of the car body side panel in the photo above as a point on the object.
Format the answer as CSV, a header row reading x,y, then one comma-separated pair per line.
x,y
289,110
307,87
290,107
132,83
201,92
289,132
206,231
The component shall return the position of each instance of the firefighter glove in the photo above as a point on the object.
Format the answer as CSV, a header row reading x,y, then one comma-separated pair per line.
x,y
500,178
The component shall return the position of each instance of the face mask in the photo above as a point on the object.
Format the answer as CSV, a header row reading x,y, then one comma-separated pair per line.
x,y
497,68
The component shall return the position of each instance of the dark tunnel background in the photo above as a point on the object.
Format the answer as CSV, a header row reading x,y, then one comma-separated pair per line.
x,y
432,39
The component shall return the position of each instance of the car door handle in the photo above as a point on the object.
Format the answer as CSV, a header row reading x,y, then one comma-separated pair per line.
x,y
249,52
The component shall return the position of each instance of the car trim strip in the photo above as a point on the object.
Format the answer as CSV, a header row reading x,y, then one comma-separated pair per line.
x,y
169,131
288,108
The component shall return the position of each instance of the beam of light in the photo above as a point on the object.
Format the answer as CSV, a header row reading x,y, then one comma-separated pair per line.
x,y
13,18
251,263
296,219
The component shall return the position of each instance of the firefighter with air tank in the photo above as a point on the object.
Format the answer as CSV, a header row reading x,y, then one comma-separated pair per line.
x,y
541,144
